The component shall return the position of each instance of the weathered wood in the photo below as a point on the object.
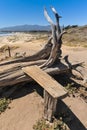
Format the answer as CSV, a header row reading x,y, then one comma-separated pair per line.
x,y
9,51
17,66
83,73
13,74
57,41
46,81
57,20
52,89
49,106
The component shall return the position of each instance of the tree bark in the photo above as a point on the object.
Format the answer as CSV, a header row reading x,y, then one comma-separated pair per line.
x,y
57,41
13,74
49,106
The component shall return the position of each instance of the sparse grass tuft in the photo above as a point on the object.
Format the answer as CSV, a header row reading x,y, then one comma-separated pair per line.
x,y
4,47
41,125
4,104
76,37
13,38
71,88
56,125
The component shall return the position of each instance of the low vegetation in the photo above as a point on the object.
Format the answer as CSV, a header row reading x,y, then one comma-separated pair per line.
x,y
4,104
76,36
56,125
71,88
4,47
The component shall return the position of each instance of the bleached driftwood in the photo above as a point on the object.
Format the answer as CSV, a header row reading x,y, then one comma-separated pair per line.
x,y
11,71
13,74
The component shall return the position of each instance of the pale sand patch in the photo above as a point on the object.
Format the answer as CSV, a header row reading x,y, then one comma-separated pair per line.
x,y
24,113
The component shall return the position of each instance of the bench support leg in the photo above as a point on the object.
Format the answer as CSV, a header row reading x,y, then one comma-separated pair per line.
x,y
49,106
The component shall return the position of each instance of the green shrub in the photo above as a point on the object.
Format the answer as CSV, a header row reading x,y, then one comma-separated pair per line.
x,y
56,125
41,125
4,104
71,88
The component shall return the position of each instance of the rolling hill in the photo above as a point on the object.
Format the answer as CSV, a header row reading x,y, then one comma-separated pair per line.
x,y
23,28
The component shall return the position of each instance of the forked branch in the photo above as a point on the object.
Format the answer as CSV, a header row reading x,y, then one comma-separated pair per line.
x,y
56,35
57,20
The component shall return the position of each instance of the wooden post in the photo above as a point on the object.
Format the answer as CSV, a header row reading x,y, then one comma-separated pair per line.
x,y
49,106
9,51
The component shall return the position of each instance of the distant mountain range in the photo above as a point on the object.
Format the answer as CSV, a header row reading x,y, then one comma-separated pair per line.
x,y
23,28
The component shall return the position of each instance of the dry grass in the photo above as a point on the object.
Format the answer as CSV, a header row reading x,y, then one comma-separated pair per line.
x,y
4,47
76,37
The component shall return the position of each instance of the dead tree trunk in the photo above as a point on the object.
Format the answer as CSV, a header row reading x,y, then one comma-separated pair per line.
x,y
13,74
57,42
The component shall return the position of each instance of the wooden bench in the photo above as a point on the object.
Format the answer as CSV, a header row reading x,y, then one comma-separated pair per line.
x,y
52,89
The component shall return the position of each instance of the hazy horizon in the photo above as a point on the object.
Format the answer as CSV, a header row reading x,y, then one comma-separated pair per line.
x,y
37,25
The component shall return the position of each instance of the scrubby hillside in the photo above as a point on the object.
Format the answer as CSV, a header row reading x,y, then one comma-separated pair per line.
x,y
76,36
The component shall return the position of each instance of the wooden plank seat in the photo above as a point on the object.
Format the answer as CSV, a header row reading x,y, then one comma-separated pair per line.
x,y
52,89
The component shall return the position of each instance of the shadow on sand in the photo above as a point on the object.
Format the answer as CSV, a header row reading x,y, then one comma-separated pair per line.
x,y
62,109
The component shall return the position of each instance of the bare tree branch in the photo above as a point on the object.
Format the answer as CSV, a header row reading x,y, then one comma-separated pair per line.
x,y
57,20
56,35
47,17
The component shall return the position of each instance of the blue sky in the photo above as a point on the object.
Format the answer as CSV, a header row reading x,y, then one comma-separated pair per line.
x,y
19,12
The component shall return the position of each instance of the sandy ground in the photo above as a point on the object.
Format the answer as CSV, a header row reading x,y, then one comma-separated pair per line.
x,y
28,108
33,43
24,113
